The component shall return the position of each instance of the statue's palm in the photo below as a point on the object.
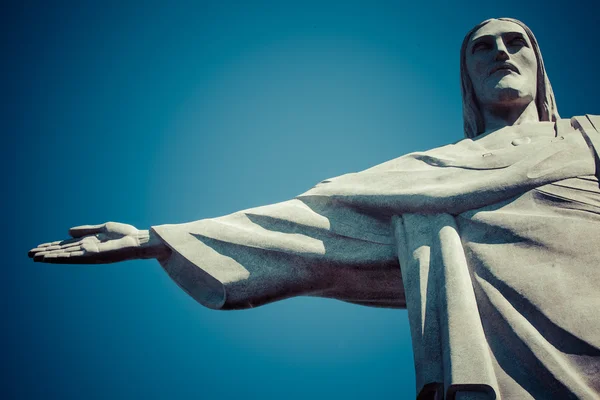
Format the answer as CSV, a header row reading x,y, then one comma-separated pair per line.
x,y
91,244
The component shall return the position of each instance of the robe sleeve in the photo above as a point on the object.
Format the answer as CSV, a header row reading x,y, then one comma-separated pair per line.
x,y
336,240
310,246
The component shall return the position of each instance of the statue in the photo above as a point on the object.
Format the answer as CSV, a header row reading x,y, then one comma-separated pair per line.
x,y
490,242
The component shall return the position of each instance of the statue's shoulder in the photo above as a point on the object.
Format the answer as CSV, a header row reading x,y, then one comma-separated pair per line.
x,y
594,120
588,123
438,156
589,117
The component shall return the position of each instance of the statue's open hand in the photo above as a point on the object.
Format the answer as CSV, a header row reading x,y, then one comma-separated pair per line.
x,y
93,244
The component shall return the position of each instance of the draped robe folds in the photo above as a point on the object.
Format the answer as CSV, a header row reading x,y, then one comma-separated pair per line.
x,y
493,252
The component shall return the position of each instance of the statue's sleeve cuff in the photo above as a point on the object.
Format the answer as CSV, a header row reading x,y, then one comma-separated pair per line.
x,y
199,283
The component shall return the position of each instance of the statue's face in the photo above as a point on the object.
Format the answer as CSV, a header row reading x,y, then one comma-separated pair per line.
x,y
502,65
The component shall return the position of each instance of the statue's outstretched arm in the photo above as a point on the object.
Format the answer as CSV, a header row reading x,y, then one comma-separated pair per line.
x,y
234,270
100,244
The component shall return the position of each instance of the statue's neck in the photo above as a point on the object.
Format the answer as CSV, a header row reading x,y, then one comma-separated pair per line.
x,y
499,117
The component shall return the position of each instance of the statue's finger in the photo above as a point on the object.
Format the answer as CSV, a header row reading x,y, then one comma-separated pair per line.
x,y
53,252
71,249
69,241
75,257
39,256
44,247
56,258
53,255
70,255
56,245
49,243
78,257
72,243
85,230
52,248
34,251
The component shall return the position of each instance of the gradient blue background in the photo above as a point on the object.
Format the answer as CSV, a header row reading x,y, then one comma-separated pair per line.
x,y
149,113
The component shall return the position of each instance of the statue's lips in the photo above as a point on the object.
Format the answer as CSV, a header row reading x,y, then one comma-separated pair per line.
x,y
504,67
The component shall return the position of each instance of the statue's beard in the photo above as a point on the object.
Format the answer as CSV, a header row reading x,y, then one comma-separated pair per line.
x,y
506,97
510,95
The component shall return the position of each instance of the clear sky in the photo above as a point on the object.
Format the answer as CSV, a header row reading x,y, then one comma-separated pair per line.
x,y
150,113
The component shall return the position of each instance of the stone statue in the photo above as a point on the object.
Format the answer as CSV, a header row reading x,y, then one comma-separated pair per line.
x,y
490,242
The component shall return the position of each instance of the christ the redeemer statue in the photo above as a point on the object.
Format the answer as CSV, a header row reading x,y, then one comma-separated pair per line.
x,y
491,243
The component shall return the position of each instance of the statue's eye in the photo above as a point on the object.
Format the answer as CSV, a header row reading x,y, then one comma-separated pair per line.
x,y
518,41
479,46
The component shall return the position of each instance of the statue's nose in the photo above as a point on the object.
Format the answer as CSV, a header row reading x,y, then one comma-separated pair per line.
x,y
501,55
501,52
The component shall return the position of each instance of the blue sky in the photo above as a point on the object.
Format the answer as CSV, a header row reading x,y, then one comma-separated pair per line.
x,y
150,113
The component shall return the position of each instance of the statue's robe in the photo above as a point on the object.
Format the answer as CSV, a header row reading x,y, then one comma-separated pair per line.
x,y
495,254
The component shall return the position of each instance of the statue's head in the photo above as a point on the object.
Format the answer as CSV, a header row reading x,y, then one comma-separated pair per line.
x,y
501,66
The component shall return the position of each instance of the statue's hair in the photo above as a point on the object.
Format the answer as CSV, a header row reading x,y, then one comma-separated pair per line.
x,y
544,100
